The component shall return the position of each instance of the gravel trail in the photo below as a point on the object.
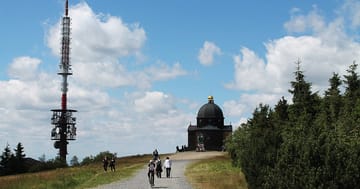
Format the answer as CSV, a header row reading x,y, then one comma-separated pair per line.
x,y
140,180
177,180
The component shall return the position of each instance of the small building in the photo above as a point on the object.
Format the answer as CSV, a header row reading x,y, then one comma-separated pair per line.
x,y
209,133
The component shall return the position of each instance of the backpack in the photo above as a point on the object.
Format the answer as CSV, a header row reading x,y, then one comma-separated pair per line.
x,y
151,167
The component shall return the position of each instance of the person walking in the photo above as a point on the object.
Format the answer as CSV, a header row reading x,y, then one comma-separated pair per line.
x,y
155,154
151,172
158,168
112,164
167,165
105,163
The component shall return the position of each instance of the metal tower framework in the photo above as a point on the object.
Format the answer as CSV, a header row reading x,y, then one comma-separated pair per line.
x,y
63,120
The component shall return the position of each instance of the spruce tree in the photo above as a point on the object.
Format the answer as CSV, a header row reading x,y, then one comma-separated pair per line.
x,y
305,104
6,162
350,113
332,102
19,159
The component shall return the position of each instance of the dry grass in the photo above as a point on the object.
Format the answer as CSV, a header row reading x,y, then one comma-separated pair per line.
x,y
75,177
215,173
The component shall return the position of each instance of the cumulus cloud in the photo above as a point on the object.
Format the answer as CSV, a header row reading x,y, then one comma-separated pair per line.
x,y
154,102
249,71
302,23
243,107
25,101
99,42
24,68
329,49
98,37
103,74
351,12
207,53
163,71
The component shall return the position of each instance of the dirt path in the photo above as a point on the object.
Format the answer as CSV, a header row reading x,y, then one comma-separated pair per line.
x,y
177,180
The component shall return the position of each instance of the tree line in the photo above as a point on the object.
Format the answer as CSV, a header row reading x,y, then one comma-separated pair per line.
x,y
16,162
311,143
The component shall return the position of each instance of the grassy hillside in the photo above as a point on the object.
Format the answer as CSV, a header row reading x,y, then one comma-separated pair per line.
x,y
215,173
75,177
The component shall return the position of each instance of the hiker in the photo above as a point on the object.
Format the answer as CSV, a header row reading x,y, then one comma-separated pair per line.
x,y
155,154
151,167
167,165
151,171
112,164
105,163
158,168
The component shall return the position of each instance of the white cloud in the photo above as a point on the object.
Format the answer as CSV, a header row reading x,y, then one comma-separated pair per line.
x,y
249,71
207,53
241,109
114,74
328,50
302,23
351,11
24,68
99,42
232,108
154,102
102,74
163,71
98,37
247,103
25,105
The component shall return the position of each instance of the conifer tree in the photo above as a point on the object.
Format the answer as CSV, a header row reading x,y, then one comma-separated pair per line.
x,y
350,113
332,103
19,159
6,161
304,102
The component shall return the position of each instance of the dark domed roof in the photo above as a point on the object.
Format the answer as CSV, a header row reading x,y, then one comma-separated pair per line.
x,y
210,110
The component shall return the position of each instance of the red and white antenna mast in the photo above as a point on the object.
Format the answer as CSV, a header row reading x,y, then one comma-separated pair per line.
x,y
62,119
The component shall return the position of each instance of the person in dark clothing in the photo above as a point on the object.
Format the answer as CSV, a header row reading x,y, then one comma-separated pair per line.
x,y
158,168
105,163
112,164
155,154
151,171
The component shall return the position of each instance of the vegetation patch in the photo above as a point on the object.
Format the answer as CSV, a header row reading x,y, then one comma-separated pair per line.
x,y
79,177
215,173
311,143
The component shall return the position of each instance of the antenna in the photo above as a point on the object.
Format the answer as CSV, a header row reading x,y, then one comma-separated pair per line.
x,y
66,8
62,119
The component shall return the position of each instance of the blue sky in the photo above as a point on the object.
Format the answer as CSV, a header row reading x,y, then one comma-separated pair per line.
x,y
142,69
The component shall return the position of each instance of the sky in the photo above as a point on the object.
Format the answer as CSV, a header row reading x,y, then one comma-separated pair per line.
x,y
142,69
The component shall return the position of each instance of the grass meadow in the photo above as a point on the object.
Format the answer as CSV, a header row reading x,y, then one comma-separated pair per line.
x,y
215,173
75,177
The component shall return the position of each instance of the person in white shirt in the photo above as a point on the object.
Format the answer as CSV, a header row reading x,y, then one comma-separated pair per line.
x,y
167,165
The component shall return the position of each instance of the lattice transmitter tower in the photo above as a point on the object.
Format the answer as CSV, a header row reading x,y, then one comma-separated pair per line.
x,y
62,119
